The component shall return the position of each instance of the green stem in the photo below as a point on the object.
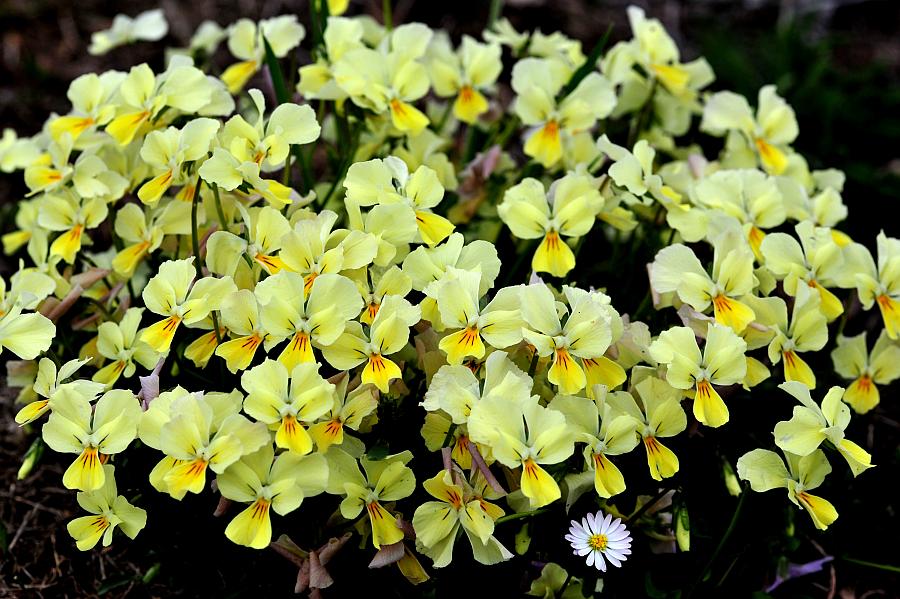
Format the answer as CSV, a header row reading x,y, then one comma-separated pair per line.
x,y
343,171
511,127
286,175
450,430
534,362
859,562
494,12
562,589
522,515
724,540
439,126
386,15
219,212
314,24
281,92
589,66
640,511
642,307
195,233
215,320
637,125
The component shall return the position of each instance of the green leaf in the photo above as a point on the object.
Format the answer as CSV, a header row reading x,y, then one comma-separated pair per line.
x,y
281,92
589,65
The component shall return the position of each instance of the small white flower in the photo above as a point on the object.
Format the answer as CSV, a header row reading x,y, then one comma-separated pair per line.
x,y
597,537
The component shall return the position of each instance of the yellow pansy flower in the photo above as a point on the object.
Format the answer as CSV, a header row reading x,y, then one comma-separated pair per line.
x,y
765,470
569,210
464,74
721,363
144,230
313,247
347,411
769,132
240,316
612,435
72,217
92,106
109,511
388,181
817,261
148,26
229,173
853,361
74,428
660,415
455,390
633,170
159,412
391,78
384,480
806,331
424,265
168,152
437,522
317,317
676,268
499,323
524,434
49,381
388,334
537,83
287,400
142,95
245,42
265,229
811,425
375,283
879,284
429,149
267,142
752,197
192,445
586,333
317,80
118,342
269,484
174,294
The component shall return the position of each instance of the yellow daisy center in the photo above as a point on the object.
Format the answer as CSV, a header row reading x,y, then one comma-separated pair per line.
x,y
598,542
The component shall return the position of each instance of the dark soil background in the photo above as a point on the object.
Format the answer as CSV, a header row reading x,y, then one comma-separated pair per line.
x,y
837,62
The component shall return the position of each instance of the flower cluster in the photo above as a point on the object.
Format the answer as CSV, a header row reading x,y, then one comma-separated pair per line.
x,y
360,246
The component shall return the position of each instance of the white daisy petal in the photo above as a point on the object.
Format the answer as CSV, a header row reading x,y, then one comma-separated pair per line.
x,y
601,565
611,553
618,535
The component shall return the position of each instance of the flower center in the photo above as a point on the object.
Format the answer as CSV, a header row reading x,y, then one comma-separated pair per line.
x,y
598,542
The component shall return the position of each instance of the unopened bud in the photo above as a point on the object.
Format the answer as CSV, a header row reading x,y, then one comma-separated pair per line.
x,y
682,527
523,540
32,456
731,480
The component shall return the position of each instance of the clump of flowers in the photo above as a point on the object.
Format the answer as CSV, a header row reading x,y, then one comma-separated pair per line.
x,y
379,280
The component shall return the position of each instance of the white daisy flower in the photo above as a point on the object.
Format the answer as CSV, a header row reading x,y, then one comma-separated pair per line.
x,y
597,537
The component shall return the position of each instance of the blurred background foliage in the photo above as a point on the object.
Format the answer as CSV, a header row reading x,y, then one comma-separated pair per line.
x,y
836,61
